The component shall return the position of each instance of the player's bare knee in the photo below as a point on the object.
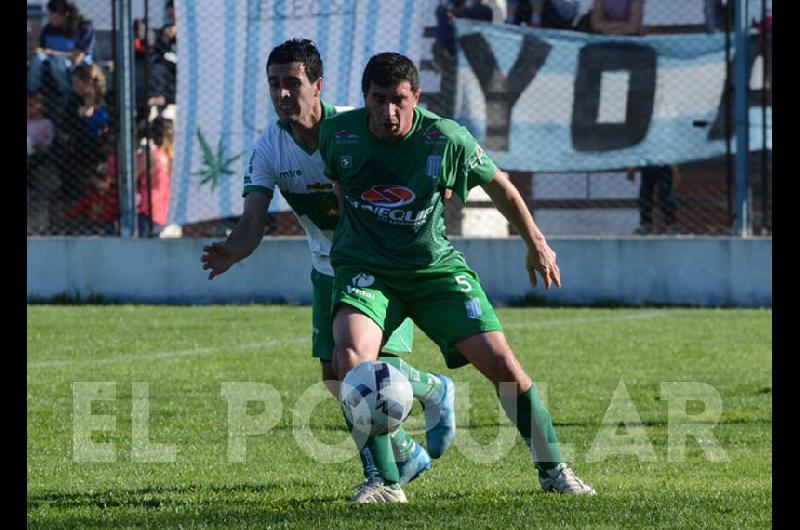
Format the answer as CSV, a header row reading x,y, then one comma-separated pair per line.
x,y
507,369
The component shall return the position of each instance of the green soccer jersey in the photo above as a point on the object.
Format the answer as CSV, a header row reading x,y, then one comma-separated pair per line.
x,y
393,219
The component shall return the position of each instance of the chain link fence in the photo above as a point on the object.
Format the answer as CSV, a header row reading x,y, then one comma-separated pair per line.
x,y
73,174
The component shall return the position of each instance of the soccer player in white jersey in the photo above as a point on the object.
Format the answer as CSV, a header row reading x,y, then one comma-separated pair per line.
x,y
286,155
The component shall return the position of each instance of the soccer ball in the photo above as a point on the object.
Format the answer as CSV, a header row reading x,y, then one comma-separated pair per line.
x,y
376,397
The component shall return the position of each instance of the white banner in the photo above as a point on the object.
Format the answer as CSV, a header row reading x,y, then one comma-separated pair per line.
x,y
223,97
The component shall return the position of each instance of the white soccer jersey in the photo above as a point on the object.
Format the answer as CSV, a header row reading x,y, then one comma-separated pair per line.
x,y
277,160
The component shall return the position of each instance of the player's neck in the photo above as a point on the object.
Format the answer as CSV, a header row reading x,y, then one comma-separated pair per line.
x,y
306,130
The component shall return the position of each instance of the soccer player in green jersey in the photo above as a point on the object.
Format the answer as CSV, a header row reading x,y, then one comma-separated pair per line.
x,y
395,164
286,156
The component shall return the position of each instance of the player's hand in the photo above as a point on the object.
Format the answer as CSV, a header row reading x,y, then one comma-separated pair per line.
x,y
448,193
218,258
542,259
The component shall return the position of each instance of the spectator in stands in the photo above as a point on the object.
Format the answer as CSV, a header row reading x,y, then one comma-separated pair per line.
x,y
163,66
67,40
41,176
97,211
714,13
40,128
89,83
663,180
161,153
444,46
552,14
84,136
617,17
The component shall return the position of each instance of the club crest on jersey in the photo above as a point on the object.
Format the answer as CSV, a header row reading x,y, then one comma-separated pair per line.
x,y
345,161
388,195
475,160
433,166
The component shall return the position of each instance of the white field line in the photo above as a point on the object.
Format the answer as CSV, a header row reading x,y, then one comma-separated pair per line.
x,y
557,322
164,354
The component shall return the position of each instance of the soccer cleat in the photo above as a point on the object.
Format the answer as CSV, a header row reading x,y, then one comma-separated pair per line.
x,y
374,490
562,479
417,464
440,419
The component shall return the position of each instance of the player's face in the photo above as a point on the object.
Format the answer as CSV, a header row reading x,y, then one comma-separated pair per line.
x,y
391,110
293,95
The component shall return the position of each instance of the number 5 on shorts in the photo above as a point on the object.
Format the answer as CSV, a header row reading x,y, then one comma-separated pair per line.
x,y
462,282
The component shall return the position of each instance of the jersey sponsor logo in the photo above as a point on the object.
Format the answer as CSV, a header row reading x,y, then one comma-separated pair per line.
x,y
363,279
360,292
290,174
388,195
433,166
343,136
435,136
320,186
473,306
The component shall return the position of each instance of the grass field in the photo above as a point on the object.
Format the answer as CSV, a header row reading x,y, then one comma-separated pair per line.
x,y
185,354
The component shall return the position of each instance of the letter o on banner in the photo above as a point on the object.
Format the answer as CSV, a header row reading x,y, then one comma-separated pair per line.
x,y
593,60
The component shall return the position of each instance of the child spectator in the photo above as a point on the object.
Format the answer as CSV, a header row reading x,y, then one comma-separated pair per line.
x,y
66,41
161,152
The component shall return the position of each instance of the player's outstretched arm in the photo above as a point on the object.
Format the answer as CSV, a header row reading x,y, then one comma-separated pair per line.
x,y
508,201
243,240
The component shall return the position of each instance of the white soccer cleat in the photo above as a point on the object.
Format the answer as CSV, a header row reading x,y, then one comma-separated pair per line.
x,y
562,479
374,490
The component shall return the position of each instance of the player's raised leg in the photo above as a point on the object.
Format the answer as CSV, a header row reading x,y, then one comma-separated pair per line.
x,y
435,392
492,356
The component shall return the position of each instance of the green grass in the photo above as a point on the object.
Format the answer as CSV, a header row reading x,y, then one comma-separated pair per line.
x,y
186,353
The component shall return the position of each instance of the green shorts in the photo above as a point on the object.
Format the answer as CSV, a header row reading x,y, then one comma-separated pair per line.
x,y
400,342
448,306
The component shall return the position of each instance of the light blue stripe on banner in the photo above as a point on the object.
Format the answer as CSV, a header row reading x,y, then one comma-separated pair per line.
x,y
191,116
369,37
226,182
345,56
253,73
324,32
408,13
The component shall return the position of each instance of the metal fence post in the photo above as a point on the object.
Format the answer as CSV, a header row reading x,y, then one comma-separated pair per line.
x,y
742,109
126,109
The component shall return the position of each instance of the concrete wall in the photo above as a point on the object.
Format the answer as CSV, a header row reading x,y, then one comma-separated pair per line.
x,y
696,271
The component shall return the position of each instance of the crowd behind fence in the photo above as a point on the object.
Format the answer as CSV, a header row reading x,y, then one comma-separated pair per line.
x,y
73,173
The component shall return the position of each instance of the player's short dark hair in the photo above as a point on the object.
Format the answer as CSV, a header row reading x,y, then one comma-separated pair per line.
x,y
302,51
389,69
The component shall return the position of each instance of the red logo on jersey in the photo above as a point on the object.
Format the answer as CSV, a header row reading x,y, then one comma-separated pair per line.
x,y
390,195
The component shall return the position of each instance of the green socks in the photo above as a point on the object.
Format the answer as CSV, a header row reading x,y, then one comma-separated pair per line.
x,y
535,425
426,386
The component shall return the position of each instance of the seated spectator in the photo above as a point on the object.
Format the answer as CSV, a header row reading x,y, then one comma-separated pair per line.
x,y
41,174
617,17
97,212
67,40
89,83
478,11
84,135
40,128
552,14
161,153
